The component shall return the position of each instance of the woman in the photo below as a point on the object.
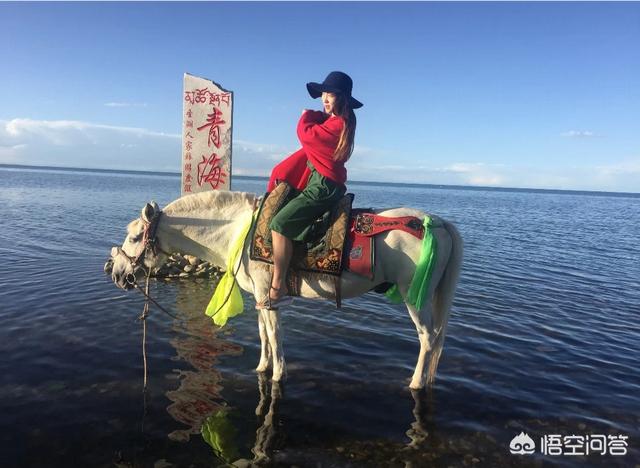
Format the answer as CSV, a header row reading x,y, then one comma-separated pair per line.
x,y
317,169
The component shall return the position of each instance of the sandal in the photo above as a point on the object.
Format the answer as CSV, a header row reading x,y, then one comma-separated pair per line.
x,y
267,303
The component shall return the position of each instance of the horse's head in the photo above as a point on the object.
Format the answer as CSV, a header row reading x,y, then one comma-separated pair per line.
x,y
140,251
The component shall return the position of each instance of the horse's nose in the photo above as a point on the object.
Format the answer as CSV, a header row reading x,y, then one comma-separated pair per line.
x,y
116,277
114,252
122,281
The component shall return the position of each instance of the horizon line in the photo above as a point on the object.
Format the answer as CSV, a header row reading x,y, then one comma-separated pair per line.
x,y
357,182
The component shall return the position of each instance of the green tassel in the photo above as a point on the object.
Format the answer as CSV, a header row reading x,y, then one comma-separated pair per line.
x,y
424,270
394,295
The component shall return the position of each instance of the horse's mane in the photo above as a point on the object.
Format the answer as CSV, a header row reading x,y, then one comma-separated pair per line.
x,y
218,200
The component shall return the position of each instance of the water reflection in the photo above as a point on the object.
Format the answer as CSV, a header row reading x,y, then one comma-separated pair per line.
x,y
220,434
200,344
423,414
225,430
269,431
197,402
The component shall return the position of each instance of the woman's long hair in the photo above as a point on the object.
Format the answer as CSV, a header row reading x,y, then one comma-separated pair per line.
x,y
346,142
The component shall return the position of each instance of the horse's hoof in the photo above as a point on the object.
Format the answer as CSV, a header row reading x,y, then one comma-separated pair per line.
x,y
416,385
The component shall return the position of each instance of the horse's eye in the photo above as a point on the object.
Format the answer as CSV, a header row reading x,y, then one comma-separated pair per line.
x,y
135,238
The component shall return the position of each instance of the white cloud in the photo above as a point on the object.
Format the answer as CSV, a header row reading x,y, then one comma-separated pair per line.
x,y
261,151
9,154
18,127
125,104
579,134
84,144
363,150
624,176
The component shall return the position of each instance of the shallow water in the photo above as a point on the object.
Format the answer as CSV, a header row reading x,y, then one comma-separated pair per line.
x,y
543,338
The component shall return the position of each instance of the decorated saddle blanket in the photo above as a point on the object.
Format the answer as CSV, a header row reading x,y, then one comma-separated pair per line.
x,y
363,227
323,252
341,239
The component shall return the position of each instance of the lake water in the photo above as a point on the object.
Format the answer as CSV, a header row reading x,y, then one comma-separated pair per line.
x,y
544,338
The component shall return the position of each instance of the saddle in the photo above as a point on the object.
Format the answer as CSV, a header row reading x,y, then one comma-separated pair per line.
x,y
322,253
341,239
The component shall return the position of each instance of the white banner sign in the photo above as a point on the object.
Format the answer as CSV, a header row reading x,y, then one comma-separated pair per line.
x,y
206,136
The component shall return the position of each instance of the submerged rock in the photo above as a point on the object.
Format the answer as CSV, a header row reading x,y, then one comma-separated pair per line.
x,y
192,260
187,266
179,266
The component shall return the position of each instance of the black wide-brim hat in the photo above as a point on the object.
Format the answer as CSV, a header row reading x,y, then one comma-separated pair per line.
x,y
335,82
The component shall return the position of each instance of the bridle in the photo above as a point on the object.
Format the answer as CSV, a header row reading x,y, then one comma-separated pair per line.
x,y
150,244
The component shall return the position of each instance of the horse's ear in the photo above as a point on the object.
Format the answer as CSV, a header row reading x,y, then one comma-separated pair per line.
x,y
149,211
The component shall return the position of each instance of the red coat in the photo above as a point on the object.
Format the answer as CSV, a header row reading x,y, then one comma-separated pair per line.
x,y
319,136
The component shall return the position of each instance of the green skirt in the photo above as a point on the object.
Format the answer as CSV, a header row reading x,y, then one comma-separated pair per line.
x,y
295,219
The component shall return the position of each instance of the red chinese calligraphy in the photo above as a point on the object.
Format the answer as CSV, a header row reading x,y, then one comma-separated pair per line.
x,y
213,122
210,171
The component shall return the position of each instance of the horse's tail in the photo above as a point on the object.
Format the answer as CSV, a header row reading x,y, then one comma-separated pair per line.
x,y
443,298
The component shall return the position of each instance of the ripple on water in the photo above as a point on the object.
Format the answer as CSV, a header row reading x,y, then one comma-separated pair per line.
x,y
543,338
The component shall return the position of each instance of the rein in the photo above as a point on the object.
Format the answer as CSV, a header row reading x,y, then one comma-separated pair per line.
x,y
146,294
150,242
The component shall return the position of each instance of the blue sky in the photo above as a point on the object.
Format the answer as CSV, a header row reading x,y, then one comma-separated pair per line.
x,y
541,95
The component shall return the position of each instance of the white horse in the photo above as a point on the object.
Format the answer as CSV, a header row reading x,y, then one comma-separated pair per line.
x,y
206,224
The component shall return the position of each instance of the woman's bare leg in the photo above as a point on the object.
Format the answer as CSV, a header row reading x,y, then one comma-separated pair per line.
x,y
282,251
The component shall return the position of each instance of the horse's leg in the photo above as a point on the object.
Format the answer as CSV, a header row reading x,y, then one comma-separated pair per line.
x,y
431,321
420,319
265,350
275,342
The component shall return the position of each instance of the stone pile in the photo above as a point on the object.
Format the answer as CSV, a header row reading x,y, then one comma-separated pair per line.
x,y
180,266
186,266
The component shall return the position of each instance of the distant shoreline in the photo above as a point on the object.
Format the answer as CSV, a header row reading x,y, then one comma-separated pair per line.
x,y
351,182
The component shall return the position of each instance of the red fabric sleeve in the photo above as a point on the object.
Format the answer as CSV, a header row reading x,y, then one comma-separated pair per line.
x,y
315,128
293,170
319,136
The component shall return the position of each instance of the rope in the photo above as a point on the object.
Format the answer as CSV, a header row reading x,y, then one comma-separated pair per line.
x,y
143,317
135,285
